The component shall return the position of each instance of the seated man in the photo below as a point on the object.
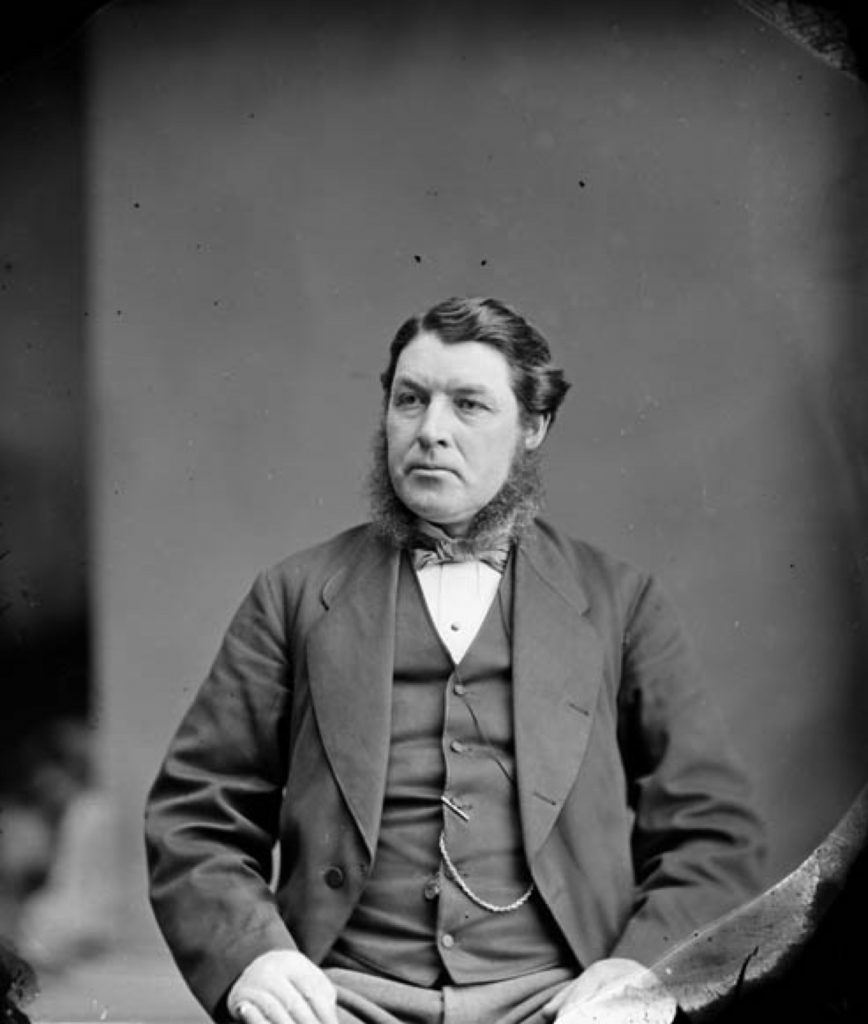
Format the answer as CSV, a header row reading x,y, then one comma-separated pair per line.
x,y
497,785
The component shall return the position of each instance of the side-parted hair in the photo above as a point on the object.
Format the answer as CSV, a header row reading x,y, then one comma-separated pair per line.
x,y
539,387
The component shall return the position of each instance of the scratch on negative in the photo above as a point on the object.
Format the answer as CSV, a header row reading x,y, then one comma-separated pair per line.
x,y
739,981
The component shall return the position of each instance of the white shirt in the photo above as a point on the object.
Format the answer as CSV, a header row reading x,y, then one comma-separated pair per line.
x,y
458,596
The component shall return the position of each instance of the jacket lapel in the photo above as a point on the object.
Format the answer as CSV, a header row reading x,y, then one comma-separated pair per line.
x,y
350,663
557,673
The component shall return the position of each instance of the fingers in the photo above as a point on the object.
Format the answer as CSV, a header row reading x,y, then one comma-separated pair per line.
x,y
301,999
613,992
283,987
247,1013
285,1005
320,994
582,989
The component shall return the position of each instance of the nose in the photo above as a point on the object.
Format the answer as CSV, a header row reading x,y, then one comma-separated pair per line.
x,y
434,425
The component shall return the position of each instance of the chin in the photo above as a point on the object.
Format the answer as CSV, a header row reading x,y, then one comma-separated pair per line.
x,y
432,513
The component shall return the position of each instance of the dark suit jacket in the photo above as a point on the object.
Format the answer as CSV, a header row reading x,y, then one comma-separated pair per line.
x,y
634,815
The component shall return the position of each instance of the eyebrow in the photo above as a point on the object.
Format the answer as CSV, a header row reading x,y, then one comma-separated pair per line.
x,y
457,389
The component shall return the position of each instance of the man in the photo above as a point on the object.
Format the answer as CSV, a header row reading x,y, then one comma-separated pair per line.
x,y
496,784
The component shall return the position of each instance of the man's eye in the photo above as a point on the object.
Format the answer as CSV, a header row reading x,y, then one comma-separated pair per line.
x,y
405,400
469,405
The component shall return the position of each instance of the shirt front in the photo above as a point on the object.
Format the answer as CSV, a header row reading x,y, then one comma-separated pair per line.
x,y
458,596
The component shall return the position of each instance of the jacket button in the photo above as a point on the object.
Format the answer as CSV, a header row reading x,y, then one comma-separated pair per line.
x,y
333,877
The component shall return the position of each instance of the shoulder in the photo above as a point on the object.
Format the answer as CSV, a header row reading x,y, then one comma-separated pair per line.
x,y
598,572
304,574
627,605
325,556
322,560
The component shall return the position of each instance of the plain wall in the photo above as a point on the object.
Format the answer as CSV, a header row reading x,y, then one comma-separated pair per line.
x,y
668,194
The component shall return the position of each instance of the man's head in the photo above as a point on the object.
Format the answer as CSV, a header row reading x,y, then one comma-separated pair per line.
x,y
469,394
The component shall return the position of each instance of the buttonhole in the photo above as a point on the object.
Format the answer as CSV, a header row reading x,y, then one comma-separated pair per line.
x,y
578,707
545,798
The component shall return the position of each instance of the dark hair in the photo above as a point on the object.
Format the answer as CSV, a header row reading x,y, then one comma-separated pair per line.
x,y
539,387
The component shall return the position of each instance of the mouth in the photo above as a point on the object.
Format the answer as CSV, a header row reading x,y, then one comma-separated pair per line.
x,y
426,469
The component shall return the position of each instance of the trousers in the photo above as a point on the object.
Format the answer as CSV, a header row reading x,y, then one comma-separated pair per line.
x,y
371,999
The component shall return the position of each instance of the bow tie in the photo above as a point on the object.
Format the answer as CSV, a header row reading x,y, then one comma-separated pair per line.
x,y
438,551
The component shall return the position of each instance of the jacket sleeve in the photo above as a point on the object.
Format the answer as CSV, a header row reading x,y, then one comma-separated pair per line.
x,y
697,844
212,814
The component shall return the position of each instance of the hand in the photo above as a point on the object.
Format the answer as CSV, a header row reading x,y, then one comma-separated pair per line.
x,y
282,987
613,991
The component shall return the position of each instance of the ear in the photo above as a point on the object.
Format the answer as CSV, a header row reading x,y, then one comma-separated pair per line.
x,y
535,430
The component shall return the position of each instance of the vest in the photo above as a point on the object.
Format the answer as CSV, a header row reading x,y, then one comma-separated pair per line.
x,y
452,738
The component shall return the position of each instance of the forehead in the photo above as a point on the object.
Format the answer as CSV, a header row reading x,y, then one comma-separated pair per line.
x,y
429,361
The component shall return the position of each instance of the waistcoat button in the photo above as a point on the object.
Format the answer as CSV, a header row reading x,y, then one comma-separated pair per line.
x,y
431,889
333,877
447,940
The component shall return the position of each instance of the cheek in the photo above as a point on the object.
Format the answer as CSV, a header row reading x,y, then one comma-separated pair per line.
x,y
398,444
394,438
494,458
